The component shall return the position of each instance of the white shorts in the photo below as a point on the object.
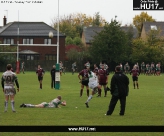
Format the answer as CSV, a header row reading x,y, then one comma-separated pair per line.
x,y
9,90
92,85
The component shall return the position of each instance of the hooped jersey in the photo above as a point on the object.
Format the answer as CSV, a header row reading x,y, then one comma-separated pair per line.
x,y
92,77
54,103
9,78
93,80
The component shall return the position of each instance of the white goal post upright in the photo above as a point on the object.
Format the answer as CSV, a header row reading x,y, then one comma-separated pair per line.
x,y
18,63
57,75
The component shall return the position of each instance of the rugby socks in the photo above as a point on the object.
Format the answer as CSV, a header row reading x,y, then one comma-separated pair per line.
x,y
134,85
99,92
105,90
87,92
40,86
29,105
6,105
81,92
12,106
137,86
89,98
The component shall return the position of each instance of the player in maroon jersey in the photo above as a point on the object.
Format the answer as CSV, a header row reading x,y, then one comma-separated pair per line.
x,y
84,79
40,72
135,73
103,80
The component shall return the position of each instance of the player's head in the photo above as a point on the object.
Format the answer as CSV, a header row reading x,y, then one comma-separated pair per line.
x,y
59,97
87,66
9,66
117,68
135,66
102,65
39,66
54,66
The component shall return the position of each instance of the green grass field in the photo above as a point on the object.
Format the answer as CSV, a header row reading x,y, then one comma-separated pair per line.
x,y
145,106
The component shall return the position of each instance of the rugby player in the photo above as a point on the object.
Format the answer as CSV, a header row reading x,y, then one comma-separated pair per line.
x,y
135,73
40,72
102,80
7,81
93,84
84,80
52,104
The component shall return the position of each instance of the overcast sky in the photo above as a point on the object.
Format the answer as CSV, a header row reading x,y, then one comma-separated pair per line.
x,y
46,10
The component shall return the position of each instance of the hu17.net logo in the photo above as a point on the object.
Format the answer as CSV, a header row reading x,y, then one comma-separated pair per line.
x,y
148,5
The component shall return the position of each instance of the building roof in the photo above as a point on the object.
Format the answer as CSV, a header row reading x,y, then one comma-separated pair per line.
x,y
128,29
159,25
27,29
90,32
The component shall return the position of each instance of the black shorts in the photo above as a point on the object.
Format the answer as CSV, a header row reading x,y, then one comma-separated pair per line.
x,y
85,82
102,83
40,78
135,78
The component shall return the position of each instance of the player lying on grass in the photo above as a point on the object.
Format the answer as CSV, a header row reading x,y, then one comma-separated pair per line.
x,y
53,104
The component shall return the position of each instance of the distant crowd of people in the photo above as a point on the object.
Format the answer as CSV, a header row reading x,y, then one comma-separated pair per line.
x,y
146,69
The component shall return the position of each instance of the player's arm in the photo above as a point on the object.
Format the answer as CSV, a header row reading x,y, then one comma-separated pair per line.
x,y
2,84
98,75
63,103
112,85
51,72
17,84
107,78
79,76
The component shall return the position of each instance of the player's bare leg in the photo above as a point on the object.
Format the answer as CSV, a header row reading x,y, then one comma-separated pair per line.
x,y
94,91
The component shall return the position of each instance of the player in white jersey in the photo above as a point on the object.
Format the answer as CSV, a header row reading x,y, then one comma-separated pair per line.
x,y
93,84
52,104
8,80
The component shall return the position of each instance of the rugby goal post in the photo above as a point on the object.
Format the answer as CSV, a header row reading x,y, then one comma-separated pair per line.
x,y
17,62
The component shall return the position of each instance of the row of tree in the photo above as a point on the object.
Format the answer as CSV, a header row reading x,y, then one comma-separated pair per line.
x,y
113,44
73,24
